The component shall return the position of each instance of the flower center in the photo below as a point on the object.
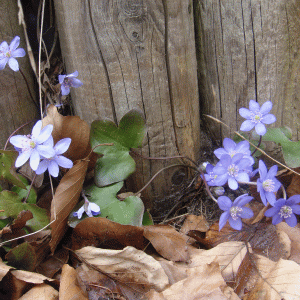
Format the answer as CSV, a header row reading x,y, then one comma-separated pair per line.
x,y
285,211
32,144
235,212
269,185
232,153
233,170
67,82
8,54
256,118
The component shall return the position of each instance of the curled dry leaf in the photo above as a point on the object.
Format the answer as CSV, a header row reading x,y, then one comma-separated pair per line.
x,y
72,127
69,285
101,232
128,266
277,280
168,242
193,222
65,199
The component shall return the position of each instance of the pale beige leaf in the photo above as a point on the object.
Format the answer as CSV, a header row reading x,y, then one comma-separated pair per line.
x,y
229,255
65,199
279,280
127,265
30,277
193,222
4,269
69,285
41,292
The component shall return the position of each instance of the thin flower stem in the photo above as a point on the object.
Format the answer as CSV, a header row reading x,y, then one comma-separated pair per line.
x,y
31,185
249,183
15,132
163,169
257,147
24,77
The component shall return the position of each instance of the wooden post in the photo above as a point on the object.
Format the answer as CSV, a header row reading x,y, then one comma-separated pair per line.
x,y
16,106
136,54
249,50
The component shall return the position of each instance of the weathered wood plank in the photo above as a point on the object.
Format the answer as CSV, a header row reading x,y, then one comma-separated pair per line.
x,y
16,106
133,54
249,50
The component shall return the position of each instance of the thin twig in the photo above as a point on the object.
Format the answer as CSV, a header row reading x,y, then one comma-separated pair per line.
x,y
30,188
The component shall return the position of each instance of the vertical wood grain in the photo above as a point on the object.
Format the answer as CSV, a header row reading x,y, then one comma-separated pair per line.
x,y
249,49
136,54
16,106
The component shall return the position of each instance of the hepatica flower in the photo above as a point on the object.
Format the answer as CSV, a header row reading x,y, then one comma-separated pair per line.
x,y
9,53
90,208
68,81
257,116
31,146
210,176
234,211
231,148
285,210
232,170
52,163
267,184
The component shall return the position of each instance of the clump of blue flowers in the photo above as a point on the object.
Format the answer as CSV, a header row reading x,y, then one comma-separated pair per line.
x,y
235,166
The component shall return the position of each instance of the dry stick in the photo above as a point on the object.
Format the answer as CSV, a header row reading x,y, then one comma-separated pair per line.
x,y
262,151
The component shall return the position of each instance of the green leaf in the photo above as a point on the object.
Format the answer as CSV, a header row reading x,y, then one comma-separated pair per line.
x,y
22,257
116,164
12,205
23,193
127,212
290,149
7,161
147,219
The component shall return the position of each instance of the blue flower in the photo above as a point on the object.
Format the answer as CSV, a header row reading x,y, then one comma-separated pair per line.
x,y
257,116
90,208
267,184
53,163
285,210
8,54
234,212
232,169
231,148
68,81
210,176
31,146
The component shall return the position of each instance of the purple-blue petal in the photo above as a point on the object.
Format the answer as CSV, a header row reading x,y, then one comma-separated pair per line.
x,y
247,213
263,171
271,212
254,106
245,113
277,219
260,129
232,183
247,125
296,209
268,119
229,145
242,177
223,219
224,203
266,107
219,152
270,197
242,200
235,224
291,221
293,200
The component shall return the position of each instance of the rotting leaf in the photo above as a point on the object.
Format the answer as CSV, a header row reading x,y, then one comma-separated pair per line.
x,y
43,291
72,127
69,286
116,164
20,222
128,266
7,170
22,257
65,199
101,232
168,242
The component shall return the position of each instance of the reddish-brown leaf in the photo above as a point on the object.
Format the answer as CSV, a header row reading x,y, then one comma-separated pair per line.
x,y
101,232
72,127
168,242
65,199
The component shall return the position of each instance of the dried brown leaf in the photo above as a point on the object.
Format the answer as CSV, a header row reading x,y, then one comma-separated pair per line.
x,y
41,292
278,280
69,285
193,222
128,266
72,127
21,220
4,269
101,232
65,199
168,242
